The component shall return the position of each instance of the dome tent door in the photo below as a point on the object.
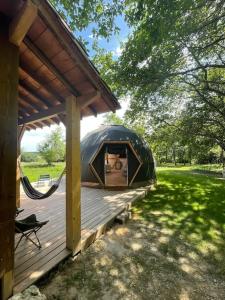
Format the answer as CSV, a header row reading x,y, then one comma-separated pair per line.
x,y
116,165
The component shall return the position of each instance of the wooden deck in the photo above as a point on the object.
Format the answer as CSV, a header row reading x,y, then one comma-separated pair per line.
x,y
98,209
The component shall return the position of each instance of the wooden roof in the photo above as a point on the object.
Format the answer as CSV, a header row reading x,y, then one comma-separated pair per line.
x,y
53,66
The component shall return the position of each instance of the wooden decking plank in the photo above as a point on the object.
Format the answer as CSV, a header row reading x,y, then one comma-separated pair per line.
x,y
98,209
52,231
46,268
39,252
32,271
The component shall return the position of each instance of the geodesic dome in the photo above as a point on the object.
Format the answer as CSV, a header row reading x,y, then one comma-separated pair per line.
x,y
114,155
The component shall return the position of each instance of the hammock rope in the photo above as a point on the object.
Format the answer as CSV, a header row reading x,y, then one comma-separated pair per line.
x,y
34,194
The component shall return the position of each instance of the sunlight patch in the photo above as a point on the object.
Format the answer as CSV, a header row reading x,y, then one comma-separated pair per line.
x,y
121,231
136,246
184,295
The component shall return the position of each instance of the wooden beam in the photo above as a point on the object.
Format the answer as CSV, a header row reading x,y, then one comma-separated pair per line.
x,y
20,133
7,285
93,110
73,175
62,118
22,22
85,100
70,44
46,61
40,81
22,113
34,93
56,119
29,102
82,102
24,110
32,127
44,114
9,64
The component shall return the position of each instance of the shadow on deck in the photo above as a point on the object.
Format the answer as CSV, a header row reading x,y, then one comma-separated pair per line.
x,y
98,209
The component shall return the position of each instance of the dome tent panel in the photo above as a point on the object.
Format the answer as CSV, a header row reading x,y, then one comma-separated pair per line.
x,y
124,144
134,165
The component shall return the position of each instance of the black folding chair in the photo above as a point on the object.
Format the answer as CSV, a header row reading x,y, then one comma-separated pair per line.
x,y
26,227
18,211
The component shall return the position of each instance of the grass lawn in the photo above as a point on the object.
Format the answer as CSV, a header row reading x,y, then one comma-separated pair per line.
x,y
34,170
192,206
172,248
210,168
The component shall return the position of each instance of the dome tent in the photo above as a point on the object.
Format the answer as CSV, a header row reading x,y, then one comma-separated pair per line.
x,y
114,155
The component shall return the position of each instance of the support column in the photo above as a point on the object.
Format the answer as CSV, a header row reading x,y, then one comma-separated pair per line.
x,y
20,131
73,180
9,59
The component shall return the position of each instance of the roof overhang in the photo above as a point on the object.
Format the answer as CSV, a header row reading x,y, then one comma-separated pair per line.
x,y
53,66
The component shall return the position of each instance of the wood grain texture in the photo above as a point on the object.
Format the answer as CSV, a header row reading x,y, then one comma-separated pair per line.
x,y
9,60
73,179
21,23
20,133
99,208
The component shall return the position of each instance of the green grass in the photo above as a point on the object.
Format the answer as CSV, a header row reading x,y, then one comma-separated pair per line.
x,y
191,206
34,170
207,168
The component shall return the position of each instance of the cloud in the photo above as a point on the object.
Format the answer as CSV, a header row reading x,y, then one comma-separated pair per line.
x,y
92,37
118,51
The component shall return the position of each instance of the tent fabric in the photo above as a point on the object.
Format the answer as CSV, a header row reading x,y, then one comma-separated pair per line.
x,y
91,143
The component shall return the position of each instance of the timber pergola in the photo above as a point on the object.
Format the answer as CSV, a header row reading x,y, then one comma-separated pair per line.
x,y
45,78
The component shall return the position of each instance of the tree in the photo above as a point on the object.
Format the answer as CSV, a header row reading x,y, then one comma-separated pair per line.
x,y
172,65
79,14
112,119
52,149
29,156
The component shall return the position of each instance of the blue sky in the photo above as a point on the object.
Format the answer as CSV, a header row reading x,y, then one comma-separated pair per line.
x,y
113,44
32,138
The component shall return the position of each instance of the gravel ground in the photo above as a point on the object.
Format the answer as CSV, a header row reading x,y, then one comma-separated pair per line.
x,y
138,260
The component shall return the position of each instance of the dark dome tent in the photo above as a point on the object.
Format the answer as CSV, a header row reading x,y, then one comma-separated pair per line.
x,y
115,156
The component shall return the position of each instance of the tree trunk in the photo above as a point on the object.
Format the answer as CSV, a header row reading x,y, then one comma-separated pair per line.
x,y
174,156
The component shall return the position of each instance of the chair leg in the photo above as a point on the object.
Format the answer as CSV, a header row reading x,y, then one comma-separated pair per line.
x,y
19,241
38,245
27,237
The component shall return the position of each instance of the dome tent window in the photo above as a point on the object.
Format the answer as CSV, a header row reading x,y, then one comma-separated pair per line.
x,y
115,156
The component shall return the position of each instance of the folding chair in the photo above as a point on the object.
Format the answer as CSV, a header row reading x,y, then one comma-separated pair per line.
x,y
18,211
26,227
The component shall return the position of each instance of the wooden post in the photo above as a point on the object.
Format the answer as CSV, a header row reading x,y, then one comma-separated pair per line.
x,y
9,60
73,181
20,131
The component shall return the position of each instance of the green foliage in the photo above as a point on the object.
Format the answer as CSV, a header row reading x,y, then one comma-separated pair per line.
x,y
112,119
79,14
29,156
52,149
107,66
172,67
138,126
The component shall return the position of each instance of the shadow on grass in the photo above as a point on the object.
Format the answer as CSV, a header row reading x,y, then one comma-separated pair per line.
x,y
191,207
172,249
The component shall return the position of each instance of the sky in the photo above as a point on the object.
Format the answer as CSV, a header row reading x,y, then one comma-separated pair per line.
x,y
32,138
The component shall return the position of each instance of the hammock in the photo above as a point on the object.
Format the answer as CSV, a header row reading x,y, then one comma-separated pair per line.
x,y
34,194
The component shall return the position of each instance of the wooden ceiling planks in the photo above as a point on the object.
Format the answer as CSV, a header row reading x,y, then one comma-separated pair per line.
x,y
27,74
53,65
